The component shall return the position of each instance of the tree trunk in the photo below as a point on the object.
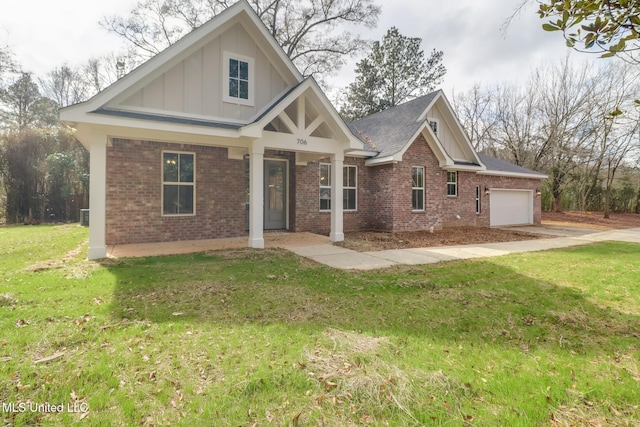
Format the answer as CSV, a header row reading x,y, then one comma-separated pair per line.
x,y
607,199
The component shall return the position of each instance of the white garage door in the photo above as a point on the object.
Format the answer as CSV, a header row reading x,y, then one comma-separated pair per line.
x,y
511,207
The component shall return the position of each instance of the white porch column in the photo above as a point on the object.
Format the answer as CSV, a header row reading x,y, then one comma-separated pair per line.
x,y
256,195
336,234
97,196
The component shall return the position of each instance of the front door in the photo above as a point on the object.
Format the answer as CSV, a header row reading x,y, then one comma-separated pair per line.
x,y
275,195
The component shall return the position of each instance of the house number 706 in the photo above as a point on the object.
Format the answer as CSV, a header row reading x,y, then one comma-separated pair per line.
x,y
302,141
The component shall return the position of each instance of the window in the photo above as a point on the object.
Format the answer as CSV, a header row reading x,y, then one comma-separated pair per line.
x,y
238,84
238,79
325,187
478,204
349,187
178,182
417,188
452,183
434,126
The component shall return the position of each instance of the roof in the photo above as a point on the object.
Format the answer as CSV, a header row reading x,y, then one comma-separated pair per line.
x,y
500,167
389,131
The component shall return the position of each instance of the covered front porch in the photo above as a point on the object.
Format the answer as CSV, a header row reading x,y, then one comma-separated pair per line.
x,y
299,130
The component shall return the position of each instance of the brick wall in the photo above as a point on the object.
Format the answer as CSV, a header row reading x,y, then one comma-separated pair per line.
x,y
134,210
307,206
390,187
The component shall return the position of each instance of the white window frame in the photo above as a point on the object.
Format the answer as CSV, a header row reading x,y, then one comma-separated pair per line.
x,y
354,187
324,185
327,185
418,188
453,183
163,182
478,200
435,122
225,76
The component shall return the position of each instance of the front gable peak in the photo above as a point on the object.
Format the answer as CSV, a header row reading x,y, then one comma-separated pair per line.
x,y
228,70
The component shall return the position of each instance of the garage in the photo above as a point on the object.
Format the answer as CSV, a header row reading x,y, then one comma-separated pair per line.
x,y
510,207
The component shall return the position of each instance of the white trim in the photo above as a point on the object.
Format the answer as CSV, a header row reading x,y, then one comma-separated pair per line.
x,y
178,183
98,201
226,57
455,183
344,209
330,186
337,215
320,186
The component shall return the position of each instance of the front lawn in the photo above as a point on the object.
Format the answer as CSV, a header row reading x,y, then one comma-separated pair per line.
x,y
263,337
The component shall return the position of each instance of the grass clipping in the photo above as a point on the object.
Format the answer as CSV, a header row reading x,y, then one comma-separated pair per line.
x,y
352,375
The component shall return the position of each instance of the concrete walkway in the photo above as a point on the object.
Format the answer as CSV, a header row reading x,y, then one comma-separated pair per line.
x,y
347,259
321,250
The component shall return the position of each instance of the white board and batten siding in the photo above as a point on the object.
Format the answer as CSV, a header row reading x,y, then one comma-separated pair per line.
x,y
510,207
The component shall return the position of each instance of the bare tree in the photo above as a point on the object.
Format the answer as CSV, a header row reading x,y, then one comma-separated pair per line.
x,y
311,32
65,85
476,111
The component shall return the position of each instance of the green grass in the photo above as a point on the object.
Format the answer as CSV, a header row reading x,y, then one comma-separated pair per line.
x,y
248,336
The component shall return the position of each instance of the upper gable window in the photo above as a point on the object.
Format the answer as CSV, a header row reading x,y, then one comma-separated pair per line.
x,y
238,79
434,126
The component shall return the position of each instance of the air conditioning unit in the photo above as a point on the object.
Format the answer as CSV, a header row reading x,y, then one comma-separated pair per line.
x,y
84,217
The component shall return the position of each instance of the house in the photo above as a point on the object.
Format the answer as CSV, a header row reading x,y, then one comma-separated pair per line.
x,y
221,136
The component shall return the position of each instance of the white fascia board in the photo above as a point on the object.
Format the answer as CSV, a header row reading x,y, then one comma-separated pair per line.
x,y
463,168
382,161
136,128
513,174
360,153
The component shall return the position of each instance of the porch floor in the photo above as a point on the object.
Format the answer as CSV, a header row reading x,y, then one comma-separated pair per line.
x,y
284,240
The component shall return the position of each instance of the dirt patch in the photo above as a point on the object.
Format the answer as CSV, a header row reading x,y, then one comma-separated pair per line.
x,y
594,220
364,241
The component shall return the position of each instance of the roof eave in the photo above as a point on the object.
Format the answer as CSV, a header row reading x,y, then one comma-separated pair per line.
x,y
513,174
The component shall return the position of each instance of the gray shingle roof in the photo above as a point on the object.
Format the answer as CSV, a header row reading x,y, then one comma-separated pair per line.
x,y
165,118
497,165
390,130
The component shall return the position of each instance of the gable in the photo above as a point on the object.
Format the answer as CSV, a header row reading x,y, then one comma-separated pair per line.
x,y
195,86
447,135
187,80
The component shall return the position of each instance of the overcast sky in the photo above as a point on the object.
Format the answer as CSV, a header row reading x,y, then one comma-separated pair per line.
x,y
44,34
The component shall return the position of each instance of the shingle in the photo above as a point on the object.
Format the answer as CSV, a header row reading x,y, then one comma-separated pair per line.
x,y
389,131
497,165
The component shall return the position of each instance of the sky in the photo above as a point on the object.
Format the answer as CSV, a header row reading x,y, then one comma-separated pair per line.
x,y
44,34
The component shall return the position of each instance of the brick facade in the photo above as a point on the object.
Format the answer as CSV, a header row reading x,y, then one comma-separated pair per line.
x,y
134,194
